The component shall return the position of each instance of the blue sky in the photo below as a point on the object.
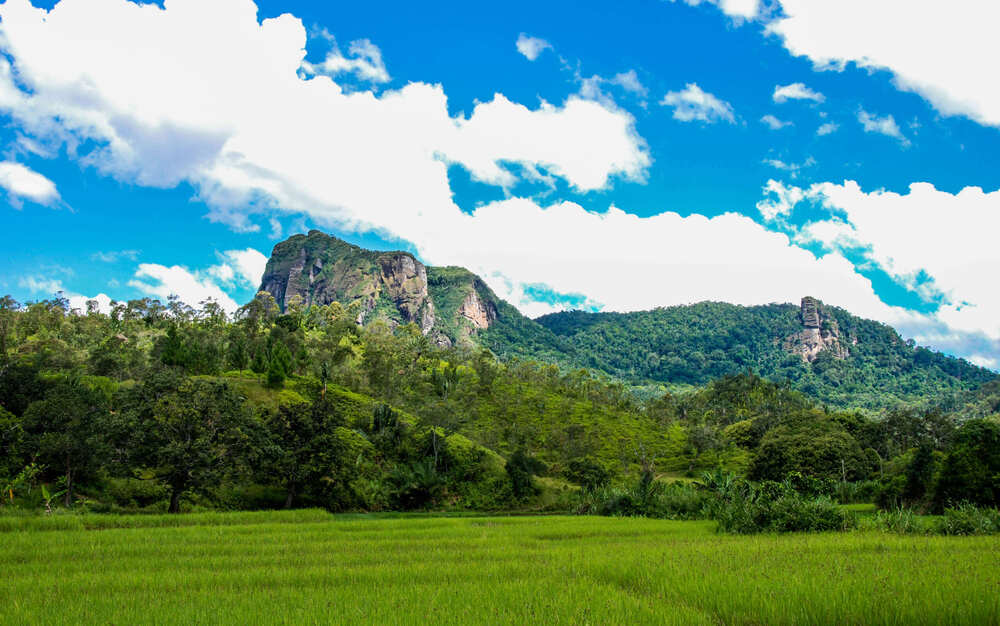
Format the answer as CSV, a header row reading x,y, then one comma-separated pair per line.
x,y
611,156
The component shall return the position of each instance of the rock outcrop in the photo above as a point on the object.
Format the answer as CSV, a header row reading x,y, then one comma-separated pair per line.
x,y
819,332
392,286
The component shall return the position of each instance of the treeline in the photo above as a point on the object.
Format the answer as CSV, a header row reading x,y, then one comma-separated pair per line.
x,y
164,406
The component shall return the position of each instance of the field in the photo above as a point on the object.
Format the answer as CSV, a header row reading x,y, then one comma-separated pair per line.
x,y
311,567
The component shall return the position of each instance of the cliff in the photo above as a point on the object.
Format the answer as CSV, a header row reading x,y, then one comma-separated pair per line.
x,y
448,304
819,332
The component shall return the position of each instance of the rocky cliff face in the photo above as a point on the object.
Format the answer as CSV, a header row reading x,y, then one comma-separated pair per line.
x,y
819,333
392,286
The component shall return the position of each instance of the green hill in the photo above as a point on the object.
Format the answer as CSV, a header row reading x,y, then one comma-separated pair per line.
x,y
837,358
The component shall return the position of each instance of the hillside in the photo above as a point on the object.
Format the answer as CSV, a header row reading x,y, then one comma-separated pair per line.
x,y
821,350
451,305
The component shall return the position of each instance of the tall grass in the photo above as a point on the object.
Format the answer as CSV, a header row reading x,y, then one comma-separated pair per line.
x,y
309,567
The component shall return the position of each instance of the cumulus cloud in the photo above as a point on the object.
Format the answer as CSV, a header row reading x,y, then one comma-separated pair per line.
x,y
882,125
237,269
774,123
827,128
531,47
22,182
796,91
47,287
162,282
692,103
205,113
246,265
954,75
937,244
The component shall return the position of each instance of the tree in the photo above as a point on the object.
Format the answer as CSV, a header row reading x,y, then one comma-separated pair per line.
x,y
520,468
303,445
971,468
65,430
279,367
194,436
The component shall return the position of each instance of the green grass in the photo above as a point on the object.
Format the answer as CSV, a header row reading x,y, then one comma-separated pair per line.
x,y
310,567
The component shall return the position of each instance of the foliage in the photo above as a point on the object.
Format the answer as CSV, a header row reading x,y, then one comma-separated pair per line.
x,y
698,343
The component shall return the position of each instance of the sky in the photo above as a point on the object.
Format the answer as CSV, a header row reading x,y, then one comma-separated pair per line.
x,y
577,155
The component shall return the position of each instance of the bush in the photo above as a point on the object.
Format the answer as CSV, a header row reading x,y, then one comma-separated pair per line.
x,y
773,507
968,519
675,501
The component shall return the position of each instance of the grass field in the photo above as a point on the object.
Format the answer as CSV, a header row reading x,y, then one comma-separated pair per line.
x,y
311,567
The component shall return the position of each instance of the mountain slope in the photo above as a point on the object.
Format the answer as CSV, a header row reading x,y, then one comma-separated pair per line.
x,y
450,304
821,350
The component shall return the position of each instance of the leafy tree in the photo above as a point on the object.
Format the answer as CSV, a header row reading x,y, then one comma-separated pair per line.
x,y
193,437
520,468
971,468
588,473
65,431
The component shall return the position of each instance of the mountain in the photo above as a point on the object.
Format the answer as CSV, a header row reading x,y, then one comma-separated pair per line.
x,y
821,350
449,304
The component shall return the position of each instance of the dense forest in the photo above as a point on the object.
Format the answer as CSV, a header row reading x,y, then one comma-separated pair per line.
x,y
164,407
699,343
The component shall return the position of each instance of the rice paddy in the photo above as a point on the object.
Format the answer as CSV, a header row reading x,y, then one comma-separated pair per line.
x,y
312,567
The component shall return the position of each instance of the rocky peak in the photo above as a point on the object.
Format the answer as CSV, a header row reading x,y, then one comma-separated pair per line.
x,y
819,332
393,286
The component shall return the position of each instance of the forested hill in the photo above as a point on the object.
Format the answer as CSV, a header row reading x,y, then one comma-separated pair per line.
x,y
821,350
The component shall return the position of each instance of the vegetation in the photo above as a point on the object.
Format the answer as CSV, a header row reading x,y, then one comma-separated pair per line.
x,y
306,566
166,408
698,343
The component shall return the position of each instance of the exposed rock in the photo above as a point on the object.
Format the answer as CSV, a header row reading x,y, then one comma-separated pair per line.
x,y
476,312
819,333
392,286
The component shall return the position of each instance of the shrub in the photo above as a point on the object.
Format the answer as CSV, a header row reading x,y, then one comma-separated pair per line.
x,y
775,507
968,519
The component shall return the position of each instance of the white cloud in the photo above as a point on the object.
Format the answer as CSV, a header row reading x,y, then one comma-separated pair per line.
x,y
779,199
364,60
774,123
25,183
113,256
939,245
791,168
81,304
692,103
205,112
162,282
248,265
955,74
46,287
41,285
827,128
531,47
629,81
739,10
882,125
796,91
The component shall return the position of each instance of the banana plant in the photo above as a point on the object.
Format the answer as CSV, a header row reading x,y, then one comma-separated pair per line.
x,y
48,497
